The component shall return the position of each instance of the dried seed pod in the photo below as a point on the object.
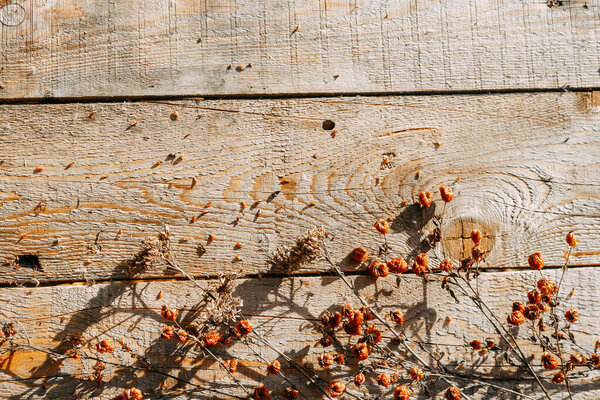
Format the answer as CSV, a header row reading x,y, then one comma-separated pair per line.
x,y
546,287
359,379
359,255
425,198
325,360
452,393
558,377
167,332
446,193
168,313
549,361
518,306
274,367
378,269
416,374
534,296
532,312
383,380
290,393
476,344
397,265
261,393
516,318
243,327
536,261
571,240
402,393
361,351
476,236
105,346
571,315
382,226
397,316
447,265
336,389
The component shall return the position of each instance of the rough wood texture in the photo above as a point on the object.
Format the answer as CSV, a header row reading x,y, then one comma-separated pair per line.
x,y
83,48
528,165
286,312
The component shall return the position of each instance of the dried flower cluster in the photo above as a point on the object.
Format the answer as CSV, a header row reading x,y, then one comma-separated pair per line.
x,y
307,249
151,252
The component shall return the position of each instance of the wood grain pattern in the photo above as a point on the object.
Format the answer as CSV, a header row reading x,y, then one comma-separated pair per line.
x,y
78,49
286,311
528,166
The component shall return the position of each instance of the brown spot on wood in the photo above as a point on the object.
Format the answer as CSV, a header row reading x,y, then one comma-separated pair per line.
x,y
585,253
288,187
328,124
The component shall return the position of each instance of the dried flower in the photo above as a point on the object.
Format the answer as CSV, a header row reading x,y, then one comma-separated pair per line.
x,y
490,343
558,377
383,380
339,358
402,393
361,351
536,261
182,335
352,329
330,320
243,327
378,269
476,344
359,379
546,287
447,265
152,250
130,394
477,253
382,226
422,260
307,249
425,198
359,255
549,361
518,306
476,236
211,338
532,312
290,393
325,360
397,265
452,393
446,193
372,335
516,318
167,332
416,374
571,315
105,346
571,241
261,393
336,389
577,359
326,341
231,365
534,296
397,316
168,313
273,367
420,270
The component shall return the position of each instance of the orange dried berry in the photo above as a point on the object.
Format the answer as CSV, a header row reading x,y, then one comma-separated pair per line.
x,y
447,265
476,236
425,198
532,312
273,367
476,344
518,306
536,261
558,377
571,241
336,389
168,313
290,393
359,379
546,287
382,226
577,359
534,296
416,374
325,360
182,335
105,346
167,332
397,316
446,193
420,270
361,351
243,327
397,265
378,269
211,338
516,318
383,380
332,320
422,260
452,393
372,334
402,393
231,365
261,393
571,315
359,255
549,361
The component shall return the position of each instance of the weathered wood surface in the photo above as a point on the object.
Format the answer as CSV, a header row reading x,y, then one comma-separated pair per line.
x,y
528,165
75,49
286,311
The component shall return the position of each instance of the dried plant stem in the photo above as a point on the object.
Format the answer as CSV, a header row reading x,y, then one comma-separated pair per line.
x,y
502,331
401,338
58,356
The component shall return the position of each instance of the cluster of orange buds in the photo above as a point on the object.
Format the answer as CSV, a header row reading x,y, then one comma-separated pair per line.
x,y
130,394
167,332
231,365
402,393
168,313
384,380
97,375
447,265
425,198
243,328
212,338
378,269
421,265
397,265
105,346
452,393
336,389
416,374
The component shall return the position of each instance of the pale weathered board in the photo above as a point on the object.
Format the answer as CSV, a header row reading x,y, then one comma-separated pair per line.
x,y
86,48
528,165
286,312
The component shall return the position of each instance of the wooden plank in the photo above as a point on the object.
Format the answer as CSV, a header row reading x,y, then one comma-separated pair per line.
x,y
286,311
79,48
528,166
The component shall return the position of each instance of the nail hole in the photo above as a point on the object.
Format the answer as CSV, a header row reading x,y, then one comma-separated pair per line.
x,y
328,124
30,261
